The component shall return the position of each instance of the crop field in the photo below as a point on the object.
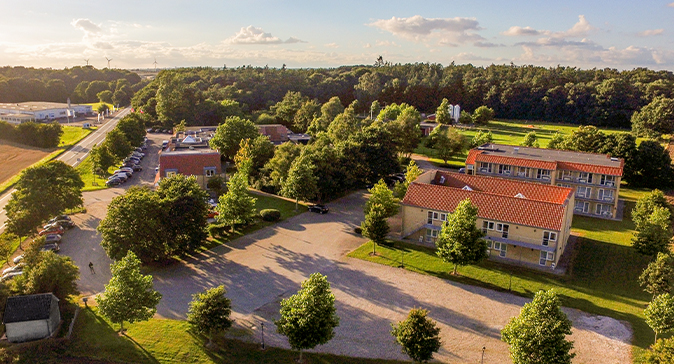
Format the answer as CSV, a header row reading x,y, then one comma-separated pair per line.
x,y
16,158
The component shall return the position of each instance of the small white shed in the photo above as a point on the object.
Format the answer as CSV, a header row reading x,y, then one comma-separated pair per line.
x,y
31,317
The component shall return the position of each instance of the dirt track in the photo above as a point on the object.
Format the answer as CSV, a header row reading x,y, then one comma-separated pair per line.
x,y
14,159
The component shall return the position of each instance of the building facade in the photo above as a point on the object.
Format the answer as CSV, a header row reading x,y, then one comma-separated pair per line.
x,y
189,154
595,178
40,110
524,223
31,317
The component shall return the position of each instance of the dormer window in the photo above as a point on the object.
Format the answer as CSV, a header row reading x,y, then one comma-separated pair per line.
x,y
467,188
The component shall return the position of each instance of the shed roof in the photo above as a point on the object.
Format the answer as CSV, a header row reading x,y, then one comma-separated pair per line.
x,y
28,308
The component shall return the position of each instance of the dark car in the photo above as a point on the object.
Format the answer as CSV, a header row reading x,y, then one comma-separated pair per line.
x,y
54,229
52,238
136,168
319,209
113,182
54,247
58,218
66,224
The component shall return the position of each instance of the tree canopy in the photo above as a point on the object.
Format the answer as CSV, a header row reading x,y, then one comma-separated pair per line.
x,y
418,335
209,312
460,241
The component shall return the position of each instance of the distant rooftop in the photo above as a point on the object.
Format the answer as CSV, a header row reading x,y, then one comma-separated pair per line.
x,y
546,158
186,151
36,106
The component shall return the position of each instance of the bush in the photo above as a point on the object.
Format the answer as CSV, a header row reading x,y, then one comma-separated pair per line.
x,y
270,215
217,230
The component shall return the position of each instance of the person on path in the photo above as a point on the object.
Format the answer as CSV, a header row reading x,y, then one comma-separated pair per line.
x,y
91,268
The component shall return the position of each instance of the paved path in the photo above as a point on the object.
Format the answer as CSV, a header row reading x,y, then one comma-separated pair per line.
x,y
72,156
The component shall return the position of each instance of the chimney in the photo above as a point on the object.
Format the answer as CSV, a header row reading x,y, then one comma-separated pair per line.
x,y
516,150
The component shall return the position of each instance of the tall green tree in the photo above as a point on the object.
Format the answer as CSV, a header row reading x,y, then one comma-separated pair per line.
x,y
405,131
50,273
101,160
301,182
460,241
482,115
344,125
309,318
449,144
654,119
442,113
130,295
557,141
279,165
538,334
652,166
309,110
418,335
209,312
481,137
660,314
381,195
286,109
236,206
228,135
117,144
654,235
42,192
658,277
530,140
646,205
375,227
400,188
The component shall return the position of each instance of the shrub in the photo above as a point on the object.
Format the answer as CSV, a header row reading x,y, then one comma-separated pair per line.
x,y
270,215
217,230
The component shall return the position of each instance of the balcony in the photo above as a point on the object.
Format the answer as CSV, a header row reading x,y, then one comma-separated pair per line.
x,y
527,243
605,199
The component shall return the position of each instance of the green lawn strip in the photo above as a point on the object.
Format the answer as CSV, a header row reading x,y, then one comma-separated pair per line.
x,y
71,136
263,202
604,279
91,182
94,105
172,341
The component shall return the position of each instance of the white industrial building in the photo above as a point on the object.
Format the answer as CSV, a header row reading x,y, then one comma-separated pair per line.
x,y
41,111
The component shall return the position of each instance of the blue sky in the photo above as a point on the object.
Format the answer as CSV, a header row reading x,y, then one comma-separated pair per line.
x,y
618,34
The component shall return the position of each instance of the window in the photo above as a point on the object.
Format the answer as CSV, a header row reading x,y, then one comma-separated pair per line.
x,y
501,248
487,225
171,174
602,209
546,256
504,230
564,175
210,172
522,172
503,169
585,177
605,195
485,167
543,174
431,234
607,180
583,192
549,236
582,206
443,217
430,217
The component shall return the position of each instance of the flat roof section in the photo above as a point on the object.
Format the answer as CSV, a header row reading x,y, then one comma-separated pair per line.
x,y
549,155
37,106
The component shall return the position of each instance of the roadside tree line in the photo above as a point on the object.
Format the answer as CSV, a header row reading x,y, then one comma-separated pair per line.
x,y
33,134
127,135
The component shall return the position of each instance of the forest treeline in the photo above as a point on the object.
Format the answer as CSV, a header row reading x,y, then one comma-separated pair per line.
x,y
602,97
81,84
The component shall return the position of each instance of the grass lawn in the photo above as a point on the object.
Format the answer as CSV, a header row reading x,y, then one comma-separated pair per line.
x,y
167,341
603,280
91,182
263,202
94,105
507,132
71,136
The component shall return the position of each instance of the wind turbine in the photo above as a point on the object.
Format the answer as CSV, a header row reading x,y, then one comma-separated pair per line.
x,y
86,60
108,61
155,64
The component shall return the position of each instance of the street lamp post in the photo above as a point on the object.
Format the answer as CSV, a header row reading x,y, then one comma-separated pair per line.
x,y
483,349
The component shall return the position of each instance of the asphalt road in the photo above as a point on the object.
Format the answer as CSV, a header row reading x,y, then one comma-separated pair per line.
x,y
72,156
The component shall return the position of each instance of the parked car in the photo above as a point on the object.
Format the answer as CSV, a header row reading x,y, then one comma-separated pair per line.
x,y
136,168
53,230
50,238
65,224
462,170
120,176
115,181
320,209
53,247
16,268
212,214
18,259
59,217
124,175
127,170
10,275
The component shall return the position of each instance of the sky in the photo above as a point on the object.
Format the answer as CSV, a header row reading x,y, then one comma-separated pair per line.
x,y
621,34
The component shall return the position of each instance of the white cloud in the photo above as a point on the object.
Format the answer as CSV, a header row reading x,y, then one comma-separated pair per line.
x,y
581,29
562,43
487,44
367,45
420,29
87,26
671,5
515,31
651,32
254,35
386,43
331,45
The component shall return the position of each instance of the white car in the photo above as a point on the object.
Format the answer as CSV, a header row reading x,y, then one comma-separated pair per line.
x,y
18,259
122,170
16,268
9,276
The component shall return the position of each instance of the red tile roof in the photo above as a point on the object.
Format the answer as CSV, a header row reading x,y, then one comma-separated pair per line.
x,y
189,163
475,155
506,187
515,210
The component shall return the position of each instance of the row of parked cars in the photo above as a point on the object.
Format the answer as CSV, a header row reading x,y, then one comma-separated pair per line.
x,y
53,233
159,130
130,165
